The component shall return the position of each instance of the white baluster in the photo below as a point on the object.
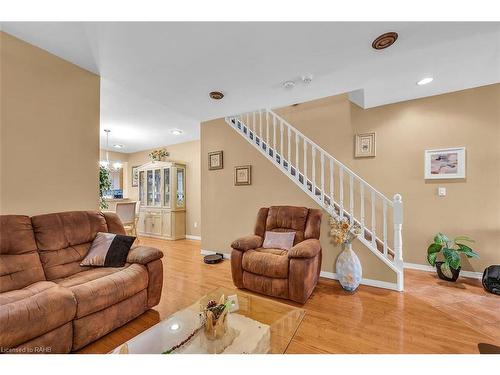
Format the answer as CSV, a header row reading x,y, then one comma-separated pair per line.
x,y
247,123
305,162
374,244
341,190
296,155
362,205
332,186
322,178
281,142
385,226
274,136
267,129
253,124
398,225
289,150
260,125
313,182
351,198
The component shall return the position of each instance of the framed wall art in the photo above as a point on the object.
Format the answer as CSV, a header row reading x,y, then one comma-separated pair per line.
x,y
365,145
135,176
444,163
215,160
243,175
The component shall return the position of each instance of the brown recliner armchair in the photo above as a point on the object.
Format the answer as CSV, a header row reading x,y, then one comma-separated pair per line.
x,y
291,274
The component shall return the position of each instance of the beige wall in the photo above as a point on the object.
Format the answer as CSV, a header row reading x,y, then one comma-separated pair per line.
x,y
189,154
49,132
469,118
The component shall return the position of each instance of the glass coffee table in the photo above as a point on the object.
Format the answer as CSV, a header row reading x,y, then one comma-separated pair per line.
x,y
261,325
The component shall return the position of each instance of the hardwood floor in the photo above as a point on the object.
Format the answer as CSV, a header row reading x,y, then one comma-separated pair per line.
x,y
431,316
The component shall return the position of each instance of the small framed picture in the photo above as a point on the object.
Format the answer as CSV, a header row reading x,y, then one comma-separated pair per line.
x,y
444,163
365,145
243,175
215,160
135,176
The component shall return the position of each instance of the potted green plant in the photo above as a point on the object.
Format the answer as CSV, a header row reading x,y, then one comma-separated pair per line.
x,y
104,185
449,268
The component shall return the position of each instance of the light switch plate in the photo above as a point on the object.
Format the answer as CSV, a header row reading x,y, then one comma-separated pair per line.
x,y
442,191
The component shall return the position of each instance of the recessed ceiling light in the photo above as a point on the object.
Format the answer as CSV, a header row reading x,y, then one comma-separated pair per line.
x,y
118,146
425,81
288,85
216,95
385,40
176,131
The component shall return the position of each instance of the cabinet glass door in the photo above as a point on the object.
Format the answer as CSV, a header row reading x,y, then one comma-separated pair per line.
x,y
166,187
149,188
141,188
181,194
157,188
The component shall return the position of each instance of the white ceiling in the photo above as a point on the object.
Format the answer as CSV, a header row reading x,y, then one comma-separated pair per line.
x,y
156,76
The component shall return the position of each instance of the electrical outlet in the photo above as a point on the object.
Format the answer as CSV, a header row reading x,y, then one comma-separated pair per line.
x,y
195,224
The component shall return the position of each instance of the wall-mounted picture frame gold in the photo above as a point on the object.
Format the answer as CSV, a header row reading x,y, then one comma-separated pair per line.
x,y
243,175
365,145
215,160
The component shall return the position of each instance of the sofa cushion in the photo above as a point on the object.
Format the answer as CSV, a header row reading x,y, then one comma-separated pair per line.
x,y
287,219
32,311
266,262
63,240
98,288
20,264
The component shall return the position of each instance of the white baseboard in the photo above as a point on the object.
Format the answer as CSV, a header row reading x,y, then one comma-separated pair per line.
x,y
210,252
193,237
429,268
368,282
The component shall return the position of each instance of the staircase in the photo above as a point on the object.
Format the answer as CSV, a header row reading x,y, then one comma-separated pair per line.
x,y
333,186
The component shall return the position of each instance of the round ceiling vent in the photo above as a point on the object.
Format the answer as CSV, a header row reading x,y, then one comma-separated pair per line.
x,y
216,95
385,40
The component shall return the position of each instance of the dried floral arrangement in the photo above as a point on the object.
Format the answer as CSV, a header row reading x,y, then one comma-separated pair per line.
x,y
159,154
342,231
213,319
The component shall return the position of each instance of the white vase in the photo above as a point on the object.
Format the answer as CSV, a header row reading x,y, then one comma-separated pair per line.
x,y
348,269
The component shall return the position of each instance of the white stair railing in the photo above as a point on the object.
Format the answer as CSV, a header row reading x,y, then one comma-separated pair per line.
x,y
336,188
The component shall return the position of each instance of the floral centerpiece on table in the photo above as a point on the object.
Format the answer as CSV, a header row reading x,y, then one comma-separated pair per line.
x,y
213,320
158,155
343,232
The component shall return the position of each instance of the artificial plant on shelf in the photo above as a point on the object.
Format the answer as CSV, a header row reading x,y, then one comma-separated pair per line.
x,y
348,266
158,155
104,185
449,268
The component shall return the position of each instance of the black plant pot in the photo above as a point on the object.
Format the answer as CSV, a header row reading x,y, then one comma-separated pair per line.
x,y
442,276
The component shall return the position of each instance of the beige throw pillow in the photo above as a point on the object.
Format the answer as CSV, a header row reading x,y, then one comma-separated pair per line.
x,y
278,240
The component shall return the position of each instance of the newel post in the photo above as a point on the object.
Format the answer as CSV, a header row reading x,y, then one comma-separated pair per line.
x,y
398,226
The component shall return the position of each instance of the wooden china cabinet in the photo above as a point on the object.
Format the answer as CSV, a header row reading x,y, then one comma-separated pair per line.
x,y
162,196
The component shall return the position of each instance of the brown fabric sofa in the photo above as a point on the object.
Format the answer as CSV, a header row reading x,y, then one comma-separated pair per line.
x,y
48,302
279,273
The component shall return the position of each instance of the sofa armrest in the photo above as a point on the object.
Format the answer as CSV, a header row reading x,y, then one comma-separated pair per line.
x,y
143,254
248,242
305,249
